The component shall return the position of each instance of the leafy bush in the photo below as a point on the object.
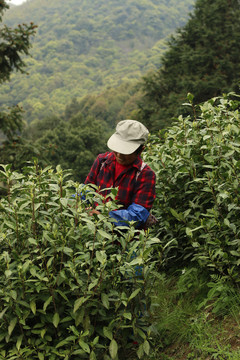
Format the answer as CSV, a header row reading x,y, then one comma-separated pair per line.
x,y
69,285
197,164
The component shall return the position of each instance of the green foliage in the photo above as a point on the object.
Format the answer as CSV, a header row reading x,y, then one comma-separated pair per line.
x,y
73,143
82,47
185,329
13,44
202,59
197,166
11,121
112,105
69,284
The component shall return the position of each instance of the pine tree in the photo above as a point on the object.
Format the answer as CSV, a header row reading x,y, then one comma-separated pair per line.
x,y
203,59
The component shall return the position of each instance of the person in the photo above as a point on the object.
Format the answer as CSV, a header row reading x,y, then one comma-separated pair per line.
x,y
123,168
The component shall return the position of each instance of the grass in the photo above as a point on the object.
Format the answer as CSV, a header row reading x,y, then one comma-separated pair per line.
x,y
190,325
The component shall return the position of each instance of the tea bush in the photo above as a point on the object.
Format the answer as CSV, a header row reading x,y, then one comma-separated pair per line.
x,y
197,162
69,285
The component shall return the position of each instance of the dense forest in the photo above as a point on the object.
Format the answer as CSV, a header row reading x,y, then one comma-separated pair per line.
x,y
83,47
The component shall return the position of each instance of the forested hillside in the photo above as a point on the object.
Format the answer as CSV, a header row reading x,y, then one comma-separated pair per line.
x,y
202,58
84,46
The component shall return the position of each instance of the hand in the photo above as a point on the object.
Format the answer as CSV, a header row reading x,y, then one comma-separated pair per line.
x,y
92,211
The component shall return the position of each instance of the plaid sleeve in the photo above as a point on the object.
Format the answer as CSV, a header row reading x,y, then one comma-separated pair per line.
x,y
92,175
144,193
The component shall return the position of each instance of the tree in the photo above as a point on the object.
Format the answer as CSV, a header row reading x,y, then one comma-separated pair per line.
x,y
81,49
13,44
203,59
73,143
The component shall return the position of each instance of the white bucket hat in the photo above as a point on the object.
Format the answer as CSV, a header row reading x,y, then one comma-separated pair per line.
x,y
129,135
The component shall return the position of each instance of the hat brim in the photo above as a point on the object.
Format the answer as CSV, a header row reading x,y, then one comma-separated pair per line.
x,y
122,147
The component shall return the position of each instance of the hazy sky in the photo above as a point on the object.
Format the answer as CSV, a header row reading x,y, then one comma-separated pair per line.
x,y
16,2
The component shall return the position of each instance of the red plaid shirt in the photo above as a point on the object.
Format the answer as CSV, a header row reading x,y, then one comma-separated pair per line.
x,y
134,186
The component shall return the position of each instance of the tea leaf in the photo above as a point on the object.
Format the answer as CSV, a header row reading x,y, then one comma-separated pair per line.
x,y
19,342
113,349
79,302
134,294
33,306
105,300
108,333
32,241
92,356
104,234
8,273
128,316
40,356
84,346
12,325
146,347
46,303
56,319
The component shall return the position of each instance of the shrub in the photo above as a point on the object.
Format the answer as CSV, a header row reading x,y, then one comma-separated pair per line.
x,y
197,163
69,286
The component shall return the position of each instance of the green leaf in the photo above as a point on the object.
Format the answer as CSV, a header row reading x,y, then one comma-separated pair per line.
x,y
235,253
40,356
25,266
79,316
56,319
19,342
227,222
107,333
105,300
189,232
47,302
175,214
95,340
146,347
134,294
50,260
136,261
104,234
10,225
93,356
33,306
113,349
84,346
93,284
79,302
153,241
8,273
2,313
64,202
12,325
32,241
128,316
101,256
79,352
140,351
67,251
141,333
43,332
61,343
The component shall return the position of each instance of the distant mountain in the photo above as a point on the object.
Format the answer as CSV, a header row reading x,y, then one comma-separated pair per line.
x,y
84,46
